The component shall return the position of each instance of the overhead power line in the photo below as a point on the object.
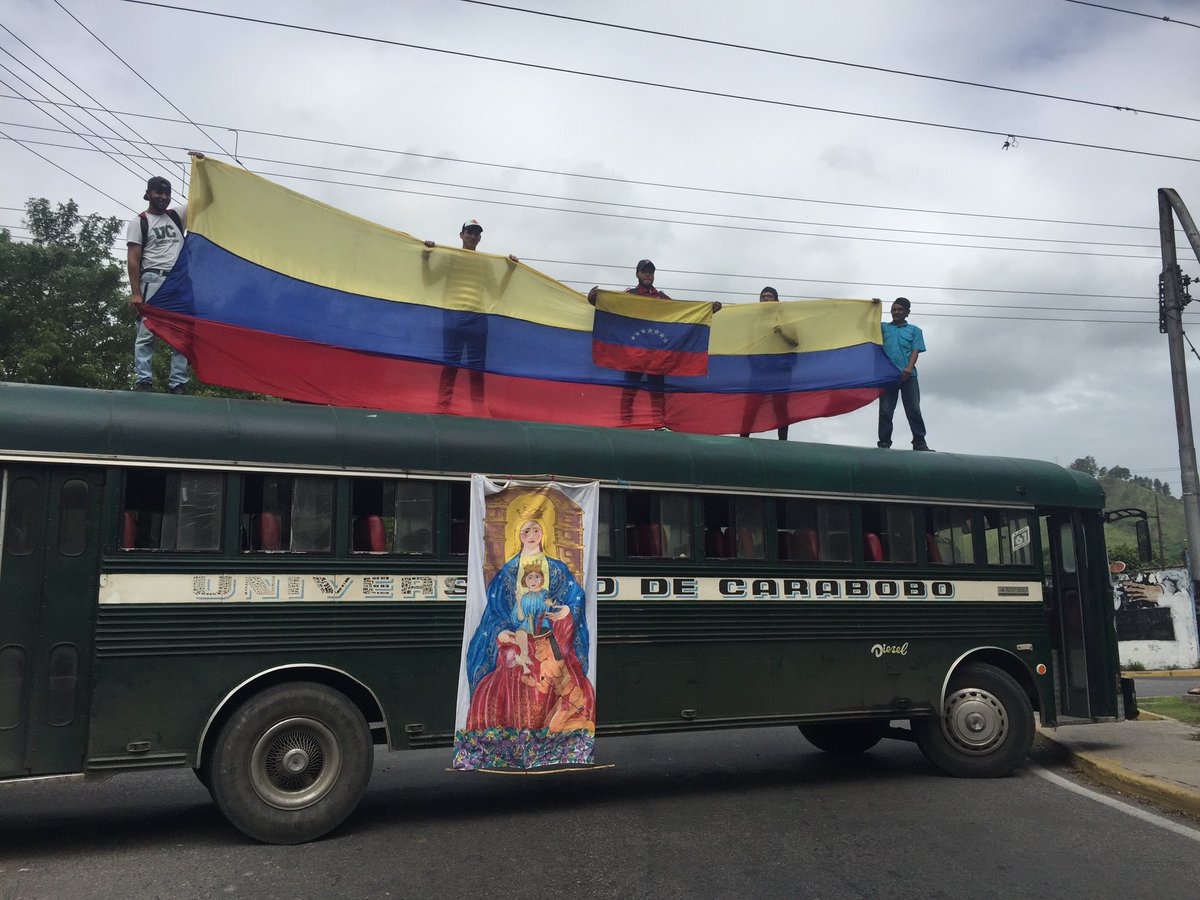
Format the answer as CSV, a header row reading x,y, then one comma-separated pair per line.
x,y
114,154
634,182
85,93
642,207
66,171
826,61
660,220
141,77
1007,132
1133,12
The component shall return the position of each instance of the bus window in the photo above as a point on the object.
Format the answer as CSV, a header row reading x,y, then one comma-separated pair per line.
x,y
811,531
288,513
460,518
1007,536
658,525
72,518
948,536
171,510
391,517
733,527
888,533
22,508
604,525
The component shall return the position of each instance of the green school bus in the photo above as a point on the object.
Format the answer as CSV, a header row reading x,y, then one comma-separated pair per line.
x,y
263,591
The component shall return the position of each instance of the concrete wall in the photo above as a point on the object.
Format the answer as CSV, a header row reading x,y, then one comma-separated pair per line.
x,y
1156,618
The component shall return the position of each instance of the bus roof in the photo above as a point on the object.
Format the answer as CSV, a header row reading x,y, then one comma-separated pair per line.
x,y
38,421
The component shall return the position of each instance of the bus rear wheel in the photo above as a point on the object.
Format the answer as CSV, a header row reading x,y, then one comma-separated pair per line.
x,y
845,738
291,763
985,728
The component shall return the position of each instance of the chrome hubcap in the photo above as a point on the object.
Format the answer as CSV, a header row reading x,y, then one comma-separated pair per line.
x,y
295,763
975,721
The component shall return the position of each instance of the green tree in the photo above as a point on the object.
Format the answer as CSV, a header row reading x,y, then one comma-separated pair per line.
x,y
62,301
1085,464
1125,553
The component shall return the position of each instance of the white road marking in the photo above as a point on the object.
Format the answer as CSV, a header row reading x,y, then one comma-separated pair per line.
x,y
1121,806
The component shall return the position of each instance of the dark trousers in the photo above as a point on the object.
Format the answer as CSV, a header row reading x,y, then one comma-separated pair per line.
x,y
910,393
658,396
464,341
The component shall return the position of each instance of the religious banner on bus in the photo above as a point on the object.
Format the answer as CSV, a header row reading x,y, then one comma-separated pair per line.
x,y
277,293
526,688
641,334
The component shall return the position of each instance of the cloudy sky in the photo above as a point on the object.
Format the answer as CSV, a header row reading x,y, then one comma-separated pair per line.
x,y
583,147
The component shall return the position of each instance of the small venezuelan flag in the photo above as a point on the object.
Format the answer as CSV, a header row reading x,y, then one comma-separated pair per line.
x,y
650,335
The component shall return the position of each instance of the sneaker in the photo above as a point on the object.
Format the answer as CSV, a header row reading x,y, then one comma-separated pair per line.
x,y
182,389
662,428
143,387
884,445
922,447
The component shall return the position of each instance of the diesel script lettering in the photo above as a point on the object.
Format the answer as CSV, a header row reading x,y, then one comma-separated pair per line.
x,y
879,650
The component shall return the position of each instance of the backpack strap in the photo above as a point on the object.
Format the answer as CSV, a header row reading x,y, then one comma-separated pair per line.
x,y
174,217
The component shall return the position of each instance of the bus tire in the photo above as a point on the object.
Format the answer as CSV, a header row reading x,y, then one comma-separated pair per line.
x,y
291,763
985,728
845,738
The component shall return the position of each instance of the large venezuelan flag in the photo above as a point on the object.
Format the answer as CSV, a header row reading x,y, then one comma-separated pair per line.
x,y
277,293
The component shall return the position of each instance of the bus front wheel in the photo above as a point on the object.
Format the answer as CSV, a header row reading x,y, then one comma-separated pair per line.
x,y
985,728
845,738
291,763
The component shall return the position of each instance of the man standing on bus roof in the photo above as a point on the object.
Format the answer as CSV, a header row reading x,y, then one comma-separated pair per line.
x,y
153,241
655,383
902,342
467,282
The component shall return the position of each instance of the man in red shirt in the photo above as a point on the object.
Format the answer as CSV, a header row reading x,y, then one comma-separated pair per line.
x,y
656,383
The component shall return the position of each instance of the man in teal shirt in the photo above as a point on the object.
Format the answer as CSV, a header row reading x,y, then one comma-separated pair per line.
x,y
902,342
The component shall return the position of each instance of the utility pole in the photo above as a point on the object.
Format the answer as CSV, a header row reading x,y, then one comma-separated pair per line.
x,y
1172,298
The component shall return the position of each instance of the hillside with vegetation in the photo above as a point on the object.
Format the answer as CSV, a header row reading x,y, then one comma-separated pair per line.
x,y
1122,490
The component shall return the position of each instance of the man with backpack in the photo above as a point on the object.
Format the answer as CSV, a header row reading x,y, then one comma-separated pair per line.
x,y
154,240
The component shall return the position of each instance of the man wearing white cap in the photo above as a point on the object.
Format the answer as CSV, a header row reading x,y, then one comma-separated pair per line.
x,y
464,322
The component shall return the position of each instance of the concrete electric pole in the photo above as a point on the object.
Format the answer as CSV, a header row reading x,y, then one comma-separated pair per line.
x,y
1172,298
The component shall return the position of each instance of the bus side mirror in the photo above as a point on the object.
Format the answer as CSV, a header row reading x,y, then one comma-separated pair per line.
x,y
1143,540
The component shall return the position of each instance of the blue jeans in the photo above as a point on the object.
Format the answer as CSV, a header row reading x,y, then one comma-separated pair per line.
x,y
910,393
143,344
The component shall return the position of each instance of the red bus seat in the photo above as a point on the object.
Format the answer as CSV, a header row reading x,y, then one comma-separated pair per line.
x,y
369,534
935,555
872,548
266,533
128,530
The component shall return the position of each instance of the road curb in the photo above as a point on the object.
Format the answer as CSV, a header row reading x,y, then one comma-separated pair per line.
x,y
1164,673
1116,776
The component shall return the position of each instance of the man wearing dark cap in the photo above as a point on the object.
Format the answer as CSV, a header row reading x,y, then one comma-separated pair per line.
x,y
902,342
153,240
655,383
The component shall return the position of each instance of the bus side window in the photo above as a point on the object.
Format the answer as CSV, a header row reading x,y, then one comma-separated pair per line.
x,y
391,516
1007,536
288,513
888,533
948,536
809,531
734,527
658,525
19,525
460,518
604,525
171,510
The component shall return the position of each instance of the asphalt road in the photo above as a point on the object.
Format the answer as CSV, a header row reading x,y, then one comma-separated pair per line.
x,y
1165,687
753,813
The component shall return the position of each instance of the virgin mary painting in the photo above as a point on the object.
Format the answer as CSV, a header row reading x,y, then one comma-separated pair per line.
x,y
527,661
